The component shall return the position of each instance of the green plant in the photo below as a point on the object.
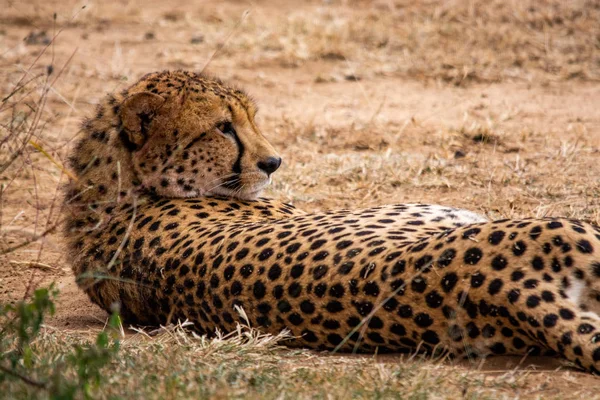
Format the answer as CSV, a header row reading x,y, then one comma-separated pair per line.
x,y
76,371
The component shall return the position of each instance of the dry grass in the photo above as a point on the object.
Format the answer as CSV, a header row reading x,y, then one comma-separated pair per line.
x,y
453,41
490,106
174,363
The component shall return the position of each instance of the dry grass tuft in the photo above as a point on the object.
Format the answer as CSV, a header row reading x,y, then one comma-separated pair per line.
x,y
457,42
246,363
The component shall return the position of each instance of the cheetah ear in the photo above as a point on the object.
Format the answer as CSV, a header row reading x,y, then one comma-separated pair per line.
x,y
136,112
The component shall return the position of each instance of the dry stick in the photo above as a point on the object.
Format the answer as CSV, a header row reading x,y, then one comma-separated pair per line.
x,y
10,127
56,195
18,89
30,21
36,194
67,142
37,115
125,239
1,205
40,55
25,95
52,205
18,152
53,44
39,111
33,239
57,76
69,112
12,180
26,379
363,91
222,45
56,92
37,214
34,264
33,128
118,181
39,148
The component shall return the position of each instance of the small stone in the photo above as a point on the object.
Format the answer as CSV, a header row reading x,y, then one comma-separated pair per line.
x,y
37,38
459,154
197,39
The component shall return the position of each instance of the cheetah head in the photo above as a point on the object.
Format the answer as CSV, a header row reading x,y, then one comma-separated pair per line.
x,y
198,140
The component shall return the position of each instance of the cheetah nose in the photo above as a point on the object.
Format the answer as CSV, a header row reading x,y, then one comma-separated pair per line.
x,y
269,165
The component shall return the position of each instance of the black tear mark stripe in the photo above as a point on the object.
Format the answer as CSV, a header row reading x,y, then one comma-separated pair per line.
x,y
234,183
237,166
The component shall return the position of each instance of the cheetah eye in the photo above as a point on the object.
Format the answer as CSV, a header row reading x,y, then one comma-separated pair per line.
x,y
226,128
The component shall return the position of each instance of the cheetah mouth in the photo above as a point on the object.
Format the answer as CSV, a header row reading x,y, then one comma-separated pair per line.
x,y
242,191
242,194
244,186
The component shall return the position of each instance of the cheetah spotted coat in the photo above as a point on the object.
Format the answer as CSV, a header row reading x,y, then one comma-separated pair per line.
x,y
147,230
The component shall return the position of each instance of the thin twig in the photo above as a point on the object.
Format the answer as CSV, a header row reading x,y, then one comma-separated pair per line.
x,y
35,238
35,264
224,43
26,379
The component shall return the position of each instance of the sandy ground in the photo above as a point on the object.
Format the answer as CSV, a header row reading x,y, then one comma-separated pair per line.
x,y
354,129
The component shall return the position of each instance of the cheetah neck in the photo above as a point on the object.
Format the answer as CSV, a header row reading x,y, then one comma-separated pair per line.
x,y
106,181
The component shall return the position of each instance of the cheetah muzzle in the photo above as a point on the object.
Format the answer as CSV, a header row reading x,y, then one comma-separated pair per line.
x,y
144,232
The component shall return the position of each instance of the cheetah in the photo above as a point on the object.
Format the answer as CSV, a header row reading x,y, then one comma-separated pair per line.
x,y
165,219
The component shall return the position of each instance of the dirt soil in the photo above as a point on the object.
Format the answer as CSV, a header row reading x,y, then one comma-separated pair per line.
x,y
367,102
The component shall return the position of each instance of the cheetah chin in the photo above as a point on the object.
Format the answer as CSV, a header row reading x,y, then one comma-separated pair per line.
x,y
249,193
397,278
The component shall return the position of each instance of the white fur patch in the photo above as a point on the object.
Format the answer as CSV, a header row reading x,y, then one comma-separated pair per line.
x,y
448,215
469,217
575,291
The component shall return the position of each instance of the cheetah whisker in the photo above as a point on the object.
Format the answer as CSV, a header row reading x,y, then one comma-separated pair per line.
x,y
224,182
220,179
